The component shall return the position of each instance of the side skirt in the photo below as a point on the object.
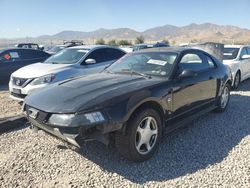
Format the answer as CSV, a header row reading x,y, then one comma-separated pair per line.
x,y
175,123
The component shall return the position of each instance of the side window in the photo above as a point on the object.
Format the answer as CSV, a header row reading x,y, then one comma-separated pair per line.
x,y
248,50
10,55
193,62
98,55
105,54
210,62
33,46
243,52
113,54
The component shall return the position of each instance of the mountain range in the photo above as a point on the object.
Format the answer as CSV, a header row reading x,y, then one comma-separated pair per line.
x,y
190,33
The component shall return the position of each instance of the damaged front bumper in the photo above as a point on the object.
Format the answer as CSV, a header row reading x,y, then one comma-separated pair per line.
x,y
76,135
70,135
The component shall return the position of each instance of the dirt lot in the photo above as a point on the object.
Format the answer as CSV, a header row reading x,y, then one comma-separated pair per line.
x,y
213,151
8,107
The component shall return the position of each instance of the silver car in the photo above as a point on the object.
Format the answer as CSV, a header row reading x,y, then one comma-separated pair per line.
x,y
68,63
237,57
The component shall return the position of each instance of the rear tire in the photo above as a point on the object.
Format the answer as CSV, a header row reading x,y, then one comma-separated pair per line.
x,y
224,99
141,137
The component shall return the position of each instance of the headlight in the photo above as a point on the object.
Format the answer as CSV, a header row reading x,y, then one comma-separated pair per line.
x,y
73,120
44,79
61,119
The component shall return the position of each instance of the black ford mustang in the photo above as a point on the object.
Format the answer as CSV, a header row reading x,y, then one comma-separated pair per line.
x,y
133,100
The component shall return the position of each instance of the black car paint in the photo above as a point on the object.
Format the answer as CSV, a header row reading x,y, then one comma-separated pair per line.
x,y
27,57
118,96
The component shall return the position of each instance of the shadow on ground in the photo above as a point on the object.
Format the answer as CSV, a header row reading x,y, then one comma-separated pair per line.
x,y
204,142
12,124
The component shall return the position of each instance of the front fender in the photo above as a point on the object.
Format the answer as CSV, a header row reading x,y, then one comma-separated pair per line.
x,y
121,112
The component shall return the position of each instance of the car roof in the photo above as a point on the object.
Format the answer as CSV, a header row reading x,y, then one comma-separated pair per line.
x,y
91,47
143,44
27,44
20,49
168,49
60,45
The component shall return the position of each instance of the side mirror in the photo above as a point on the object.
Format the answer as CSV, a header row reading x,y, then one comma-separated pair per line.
x,y
246,56
187,74
90,61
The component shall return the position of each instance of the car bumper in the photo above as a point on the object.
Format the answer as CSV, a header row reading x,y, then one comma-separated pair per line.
x,y
19,93
78,135
70,135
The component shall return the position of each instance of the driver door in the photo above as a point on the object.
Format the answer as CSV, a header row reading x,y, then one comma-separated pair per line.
x,y
194,92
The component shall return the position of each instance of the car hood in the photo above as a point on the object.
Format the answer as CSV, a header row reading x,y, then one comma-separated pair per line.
x,y
87,92
38,70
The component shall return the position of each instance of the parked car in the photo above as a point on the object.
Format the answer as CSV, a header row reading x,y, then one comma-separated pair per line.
x,y
14,58
133,100
69,63
237,57
72,43
127,49
30,45
138,47
56,49
66,44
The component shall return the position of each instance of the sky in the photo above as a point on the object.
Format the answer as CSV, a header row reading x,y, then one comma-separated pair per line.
x,y
23,18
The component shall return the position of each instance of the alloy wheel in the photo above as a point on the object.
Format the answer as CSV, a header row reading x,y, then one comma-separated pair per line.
x,y
146,135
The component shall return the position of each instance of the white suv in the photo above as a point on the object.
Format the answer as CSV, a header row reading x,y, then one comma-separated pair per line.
x,y
237,57
68,63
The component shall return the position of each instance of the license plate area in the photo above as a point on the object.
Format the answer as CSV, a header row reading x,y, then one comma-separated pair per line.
x,y
16,91
33,113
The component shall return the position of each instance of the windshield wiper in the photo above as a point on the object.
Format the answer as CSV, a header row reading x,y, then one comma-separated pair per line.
x,y
135,72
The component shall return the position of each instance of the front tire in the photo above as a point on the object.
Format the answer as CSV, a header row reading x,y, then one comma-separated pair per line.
x,y
141,137
224,99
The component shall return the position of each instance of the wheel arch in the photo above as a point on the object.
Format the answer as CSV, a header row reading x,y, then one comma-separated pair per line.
x,y
153,104
238,71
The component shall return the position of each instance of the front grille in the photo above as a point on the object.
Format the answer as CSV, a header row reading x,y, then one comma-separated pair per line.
x,y
21,96
20,81
41,115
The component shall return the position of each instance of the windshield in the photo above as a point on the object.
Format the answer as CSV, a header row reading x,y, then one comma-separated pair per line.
x,y
147,63
56,49
230,53
67,56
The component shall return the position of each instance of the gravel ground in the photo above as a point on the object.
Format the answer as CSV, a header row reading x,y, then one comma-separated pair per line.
x,y
8,107
213,151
